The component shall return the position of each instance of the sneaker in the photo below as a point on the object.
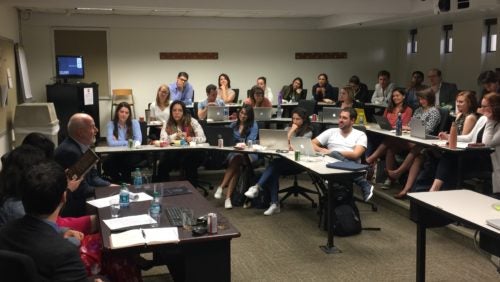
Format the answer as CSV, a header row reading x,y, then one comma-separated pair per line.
x,y
227,204
252,192
387,184
218,193
367,195
274,208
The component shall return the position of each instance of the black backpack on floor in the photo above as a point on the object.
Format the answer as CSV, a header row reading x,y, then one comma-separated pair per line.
x,y
347,221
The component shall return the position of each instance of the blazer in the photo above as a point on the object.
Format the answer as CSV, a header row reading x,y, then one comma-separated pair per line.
x,y
56,259
448,93
67,154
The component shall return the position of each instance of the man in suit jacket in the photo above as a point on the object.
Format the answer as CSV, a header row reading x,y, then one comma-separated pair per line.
x,y
445,92
81,134
36,234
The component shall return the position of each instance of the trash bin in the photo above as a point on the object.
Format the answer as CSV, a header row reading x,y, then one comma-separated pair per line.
x,y
35,117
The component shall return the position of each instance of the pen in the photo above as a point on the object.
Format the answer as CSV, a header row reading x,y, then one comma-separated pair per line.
x,y
143,233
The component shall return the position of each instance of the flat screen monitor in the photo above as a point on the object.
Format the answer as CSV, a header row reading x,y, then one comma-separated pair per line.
x,y
70,67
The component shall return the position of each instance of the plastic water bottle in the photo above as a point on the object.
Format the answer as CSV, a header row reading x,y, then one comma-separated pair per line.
x,y
137,178
226,113
124,196
280,100
399,126
155,209
361,120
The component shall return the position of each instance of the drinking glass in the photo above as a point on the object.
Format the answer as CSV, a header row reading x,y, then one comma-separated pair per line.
x,y
187,219
114,205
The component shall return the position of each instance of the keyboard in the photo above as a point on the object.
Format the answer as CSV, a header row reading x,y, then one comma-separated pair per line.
x,y
174,215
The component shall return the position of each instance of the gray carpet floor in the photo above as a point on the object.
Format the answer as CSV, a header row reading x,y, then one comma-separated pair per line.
x,y
285,247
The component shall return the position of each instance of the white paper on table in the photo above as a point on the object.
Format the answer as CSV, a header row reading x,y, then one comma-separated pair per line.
x,y
104,202
88,96
127,221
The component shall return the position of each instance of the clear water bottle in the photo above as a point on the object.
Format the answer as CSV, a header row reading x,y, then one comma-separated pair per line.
x,y
124,196
226,113
399,126
361,120
280,101
155,209
137,178
279,111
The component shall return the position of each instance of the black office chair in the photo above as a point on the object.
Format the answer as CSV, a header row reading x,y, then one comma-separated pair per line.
x,y
236,94
249,93
297,190
16,266
445,122
308,105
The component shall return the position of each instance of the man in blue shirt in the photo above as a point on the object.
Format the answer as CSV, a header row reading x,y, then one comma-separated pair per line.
x,y
211,100
181,89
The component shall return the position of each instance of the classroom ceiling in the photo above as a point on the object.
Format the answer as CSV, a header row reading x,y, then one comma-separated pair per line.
x,y
327,13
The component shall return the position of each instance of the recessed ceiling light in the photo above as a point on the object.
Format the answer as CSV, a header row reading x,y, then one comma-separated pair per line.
x,y
93,9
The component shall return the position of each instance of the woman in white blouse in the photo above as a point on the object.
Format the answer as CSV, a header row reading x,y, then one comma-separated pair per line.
x,y
160,110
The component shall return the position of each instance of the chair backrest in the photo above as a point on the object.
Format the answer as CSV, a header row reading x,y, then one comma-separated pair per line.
x,y
445,122
195,110
236,94
144,132
249,93
122,95
308,105
17,267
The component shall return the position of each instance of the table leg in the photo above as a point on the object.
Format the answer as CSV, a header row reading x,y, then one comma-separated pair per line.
x,y
421,252
330,248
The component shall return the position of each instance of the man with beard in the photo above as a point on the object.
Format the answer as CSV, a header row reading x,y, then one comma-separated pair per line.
x,y
346,144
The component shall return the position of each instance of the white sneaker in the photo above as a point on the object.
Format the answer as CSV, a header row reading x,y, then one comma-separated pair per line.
x,y
274,208
218,193
387,184
227,204
252,192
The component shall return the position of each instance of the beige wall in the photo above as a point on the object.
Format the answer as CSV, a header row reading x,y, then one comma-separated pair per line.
x,y
8,29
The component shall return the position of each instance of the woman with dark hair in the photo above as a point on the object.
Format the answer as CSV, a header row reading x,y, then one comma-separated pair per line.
x,y
257,99
181,129
323,91
361,93
466,121
489,82
294,91
300,127
244,129
224,91
120,130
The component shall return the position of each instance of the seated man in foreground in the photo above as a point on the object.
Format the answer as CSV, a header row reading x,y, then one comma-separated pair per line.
x,y
346,144
36,234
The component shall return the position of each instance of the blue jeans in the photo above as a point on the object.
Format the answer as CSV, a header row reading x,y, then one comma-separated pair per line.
x,y
271,175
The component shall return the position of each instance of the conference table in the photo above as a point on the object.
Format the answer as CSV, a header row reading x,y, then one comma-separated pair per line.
x,y
194,258
315,165
437,209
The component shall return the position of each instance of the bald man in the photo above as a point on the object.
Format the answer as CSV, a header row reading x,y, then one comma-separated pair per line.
x,y
81,134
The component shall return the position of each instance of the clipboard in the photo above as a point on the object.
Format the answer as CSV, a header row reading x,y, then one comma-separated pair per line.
x,y
83,165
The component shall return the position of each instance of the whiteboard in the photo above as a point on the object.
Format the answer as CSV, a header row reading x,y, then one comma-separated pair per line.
x,y
23,73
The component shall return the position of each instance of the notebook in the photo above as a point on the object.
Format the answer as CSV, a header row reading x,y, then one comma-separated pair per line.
x,y
495,223
262,113
144,237
273,139
215,113
212,134
383,122
331,114
418,129
83,165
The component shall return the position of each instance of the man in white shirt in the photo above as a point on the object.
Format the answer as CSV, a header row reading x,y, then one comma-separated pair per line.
x,y
346,144
383,89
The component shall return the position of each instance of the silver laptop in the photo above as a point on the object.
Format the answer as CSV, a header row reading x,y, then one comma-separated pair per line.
x,y
304,145
495,223
417,127
215,113
331,114
262,113
273,139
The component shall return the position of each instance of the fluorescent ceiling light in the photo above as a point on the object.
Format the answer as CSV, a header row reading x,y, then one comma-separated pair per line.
x,y
94,9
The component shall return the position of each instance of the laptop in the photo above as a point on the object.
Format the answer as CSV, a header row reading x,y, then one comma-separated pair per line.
x,y
331,114
383,122
215,113
495,223
273,139
212,133
304,145
417,127
262,113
